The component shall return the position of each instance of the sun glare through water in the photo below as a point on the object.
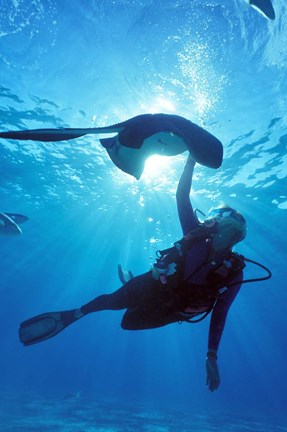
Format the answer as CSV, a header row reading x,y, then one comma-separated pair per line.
x,y
155,167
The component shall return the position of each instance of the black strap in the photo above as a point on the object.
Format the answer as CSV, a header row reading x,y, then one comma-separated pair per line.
x,y
268,276
191,320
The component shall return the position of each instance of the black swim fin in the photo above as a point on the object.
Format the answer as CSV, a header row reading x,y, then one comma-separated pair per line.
x,y
46,325
124,275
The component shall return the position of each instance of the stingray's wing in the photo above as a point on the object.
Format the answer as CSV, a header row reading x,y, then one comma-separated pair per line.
x,y
17,218
129,160
204,147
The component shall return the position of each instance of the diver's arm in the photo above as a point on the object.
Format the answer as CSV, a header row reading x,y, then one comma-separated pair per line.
x,y
217,323
186,216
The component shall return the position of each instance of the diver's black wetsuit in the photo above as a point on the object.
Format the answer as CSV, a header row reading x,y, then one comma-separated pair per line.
x,y
151,304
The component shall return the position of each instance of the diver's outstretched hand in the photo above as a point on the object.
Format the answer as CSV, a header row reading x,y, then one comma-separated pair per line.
x,y
212,373
190,160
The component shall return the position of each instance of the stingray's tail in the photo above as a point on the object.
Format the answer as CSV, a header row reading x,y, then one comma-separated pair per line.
x,y
56,134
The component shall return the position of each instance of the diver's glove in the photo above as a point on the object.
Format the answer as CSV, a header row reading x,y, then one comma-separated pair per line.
x,y
212,372
160,270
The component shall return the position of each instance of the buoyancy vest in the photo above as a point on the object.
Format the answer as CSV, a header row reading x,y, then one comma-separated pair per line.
x,y
194,302
220,277
224,267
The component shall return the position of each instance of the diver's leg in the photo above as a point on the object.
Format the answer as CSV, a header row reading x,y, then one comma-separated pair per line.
x,y
149,317
138,291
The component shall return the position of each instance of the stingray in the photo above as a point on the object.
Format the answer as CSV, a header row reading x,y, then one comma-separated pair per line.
x,y
9,223
140,137
264,7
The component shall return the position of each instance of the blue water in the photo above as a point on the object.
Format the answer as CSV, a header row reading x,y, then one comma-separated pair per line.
x,y
86,63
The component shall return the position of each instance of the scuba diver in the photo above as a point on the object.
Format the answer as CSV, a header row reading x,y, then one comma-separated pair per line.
x,y
198,275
